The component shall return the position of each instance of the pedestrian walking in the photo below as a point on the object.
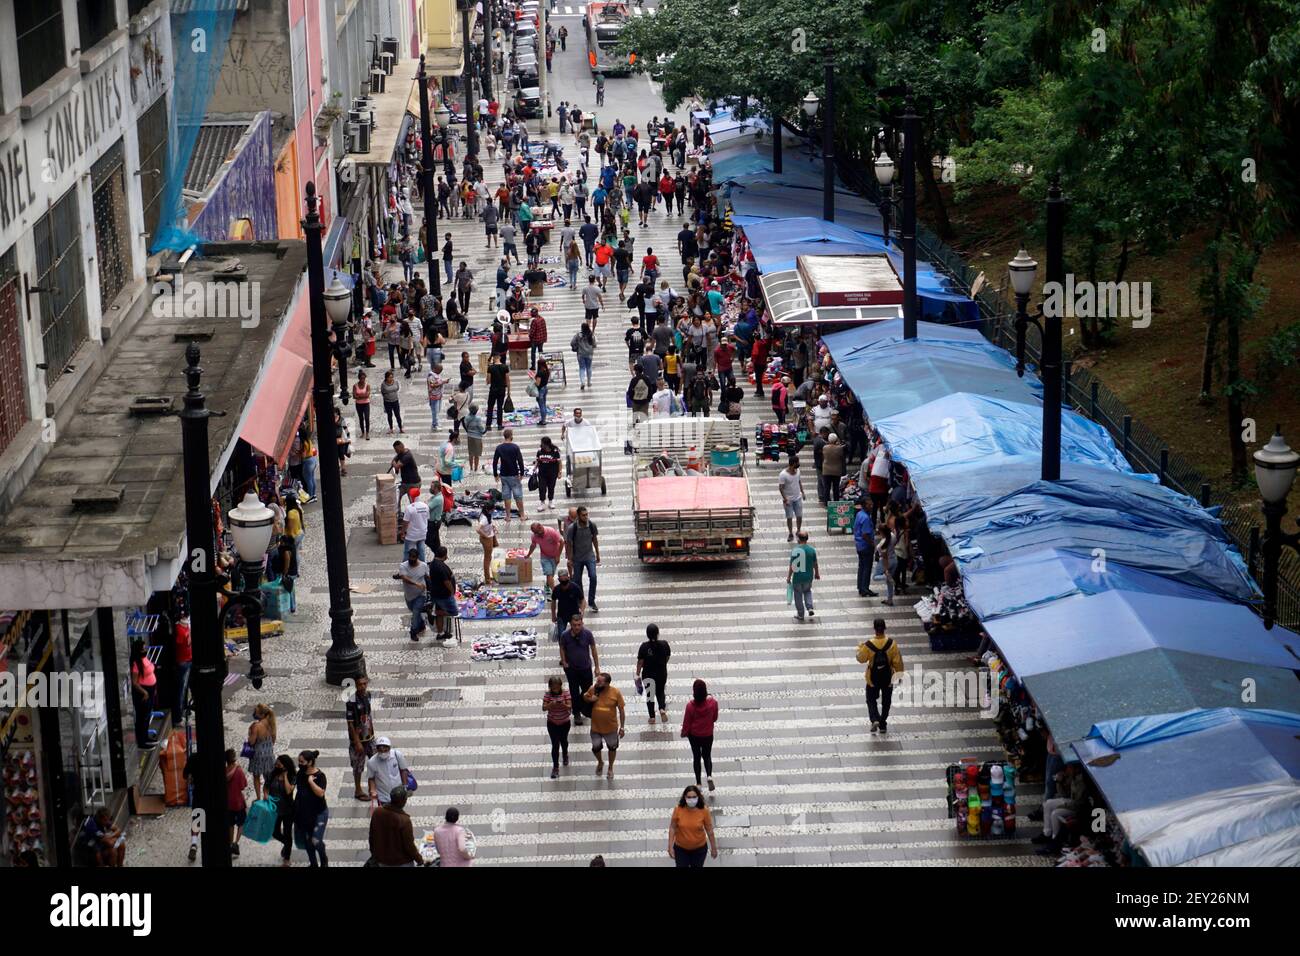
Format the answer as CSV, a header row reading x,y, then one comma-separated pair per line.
x,y
557,703
803,571
435,382
608,720
391,392
781,398
584,344
582,550
833,466
579,655
386,769
536,338
414,524
361,732
547,464
508,466
311,808
498,389
864,539
487,537
690,831
236,803
442,593
697,727
144,693
540,385
790,485
412,573
652,671
279,787
884,661
454,842
886,546
392,839
361,398
259,748
475,429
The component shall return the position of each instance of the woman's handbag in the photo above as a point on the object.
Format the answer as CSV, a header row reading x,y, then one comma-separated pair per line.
x,y
533,482
509,406
247,750
531,389
408,777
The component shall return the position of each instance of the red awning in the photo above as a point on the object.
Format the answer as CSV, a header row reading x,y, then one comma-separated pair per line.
x,y
278,406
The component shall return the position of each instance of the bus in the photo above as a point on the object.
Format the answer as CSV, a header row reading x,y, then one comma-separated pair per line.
x,y
604,21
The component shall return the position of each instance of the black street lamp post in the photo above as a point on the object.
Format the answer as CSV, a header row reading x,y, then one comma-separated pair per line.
x,y
911,128
251,524
344,659
467,7
426,179
485,72
1051,356
1275,469
209,673
1023,270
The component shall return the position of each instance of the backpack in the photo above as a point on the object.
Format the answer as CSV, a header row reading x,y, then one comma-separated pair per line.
x,y
879,669
641,390
700,388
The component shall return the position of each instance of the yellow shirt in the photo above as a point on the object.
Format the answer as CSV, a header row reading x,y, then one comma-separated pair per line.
x,y
604,712
690,821
293,523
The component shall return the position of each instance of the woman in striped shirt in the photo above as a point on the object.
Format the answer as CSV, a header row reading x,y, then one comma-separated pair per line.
x,y
558,706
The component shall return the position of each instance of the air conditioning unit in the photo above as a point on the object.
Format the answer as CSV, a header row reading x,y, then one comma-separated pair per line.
x,y
377,80
390,46
386,60
352,138
364,129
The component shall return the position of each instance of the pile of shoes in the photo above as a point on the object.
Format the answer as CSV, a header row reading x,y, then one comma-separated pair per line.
x,y
518,645
22,804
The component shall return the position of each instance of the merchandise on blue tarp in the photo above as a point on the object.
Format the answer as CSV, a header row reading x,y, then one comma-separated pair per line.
x,y
963,430
1214,787
1086,628
1160,680
482,602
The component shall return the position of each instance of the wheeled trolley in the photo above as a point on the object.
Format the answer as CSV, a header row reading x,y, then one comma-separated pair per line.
x,y
583,460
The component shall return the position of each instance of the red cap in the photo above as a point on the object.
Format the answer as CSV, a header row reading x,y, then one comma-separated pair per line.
x,y
414,493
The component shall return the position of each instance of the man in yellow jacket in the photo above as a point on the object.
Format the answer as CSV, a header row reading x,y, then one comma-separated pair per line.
x,y
883,660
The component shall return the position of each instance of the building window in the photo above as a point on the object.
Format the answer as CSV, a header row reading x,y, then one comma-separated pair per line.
x,y
41,51
13,385
62,275
136,6
112,225
151,135
97,19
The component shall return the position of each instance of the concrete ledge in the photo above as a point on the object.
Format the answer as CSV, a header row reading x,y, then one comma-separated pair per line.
x,y
103,51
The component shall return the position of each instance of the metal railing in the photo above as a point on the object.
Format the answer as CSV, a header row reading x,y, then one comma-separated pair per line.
x,y
1087,394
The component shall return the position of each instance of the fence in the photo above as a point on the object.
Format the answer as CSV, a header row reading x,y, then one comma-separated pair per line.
x,y
1088,395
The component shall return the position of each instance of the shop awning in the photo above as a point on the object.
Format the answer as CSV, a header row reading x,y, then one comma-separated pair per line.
x,y
1202,787
278,405
391,110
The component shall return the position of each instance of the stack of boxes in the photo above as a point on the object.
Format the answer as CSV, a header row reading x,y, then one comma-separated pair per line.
x,y
385,509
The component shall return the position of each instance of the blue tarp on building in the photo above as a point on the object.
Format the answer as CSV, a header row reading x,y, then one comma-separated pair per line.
x,y
1202,787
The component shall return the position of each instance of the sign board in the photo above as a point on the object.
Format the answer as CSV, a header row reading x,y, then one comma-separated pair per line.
x,y
850,280
839,515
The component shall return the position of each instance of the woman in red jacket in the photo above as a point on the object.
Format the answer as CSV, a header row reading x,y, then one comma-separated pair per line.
x,y
759,354
697,727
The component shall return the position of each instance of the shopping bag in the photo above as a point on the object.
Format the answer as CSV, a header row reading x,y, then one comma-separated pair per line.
x,y
789,593
509,406
261,820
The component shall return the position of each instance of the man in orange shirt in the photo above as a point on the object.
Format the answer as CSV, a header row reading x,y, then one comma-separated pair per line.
x,y
608,720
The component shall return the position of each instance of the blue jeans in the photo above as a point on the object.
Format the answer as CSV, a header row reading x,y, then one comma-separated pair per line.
x,y
408,545
309,466
416,607
584,369
293,591
541,404
446,269
311,834
433,410
590,565
182,685
802,598
573,274
501,299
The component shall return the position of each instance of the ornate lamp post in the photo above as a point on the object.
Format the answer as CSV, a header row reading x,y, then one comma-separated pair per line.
x,y
1275,468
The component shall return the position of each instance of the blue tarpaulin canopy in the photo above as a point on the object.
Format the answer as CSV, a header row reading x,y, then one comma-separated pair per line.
x,y
1202,787
1041,577
1084,628
890,376
1160,680
962,430
1139,524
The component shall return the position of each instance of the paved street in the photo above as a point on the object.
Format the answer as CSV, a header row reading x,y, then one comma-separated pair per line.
x,y
800,781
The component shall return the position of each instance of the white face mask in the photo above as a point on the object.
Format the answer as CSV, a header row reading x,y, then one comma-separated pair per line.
x,y
692,801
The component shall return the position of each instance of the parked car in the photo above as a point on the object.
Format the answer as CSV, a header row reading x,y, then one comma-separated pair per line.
x,y
528,102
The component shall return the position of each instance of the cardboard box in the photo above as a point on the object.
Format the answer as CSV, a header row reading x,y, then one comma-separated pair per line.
x,y
385,527
523,568
483,358
518,361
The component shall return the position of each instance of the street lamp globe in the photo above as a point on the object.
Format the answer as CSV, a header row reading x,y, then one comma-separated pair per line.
x,y
338,301
810,104
442,116
1023,271
1275,468
884,169
250,526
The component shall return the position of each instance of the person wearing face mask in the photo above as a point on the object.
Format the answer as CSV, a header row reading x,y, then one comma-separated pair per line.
x,y
386,770
608,720
310,812
690,832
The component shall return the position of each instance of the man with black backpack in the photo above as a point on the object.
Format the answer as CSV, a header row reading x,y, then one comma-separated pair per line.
x,y
883,660
635,339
